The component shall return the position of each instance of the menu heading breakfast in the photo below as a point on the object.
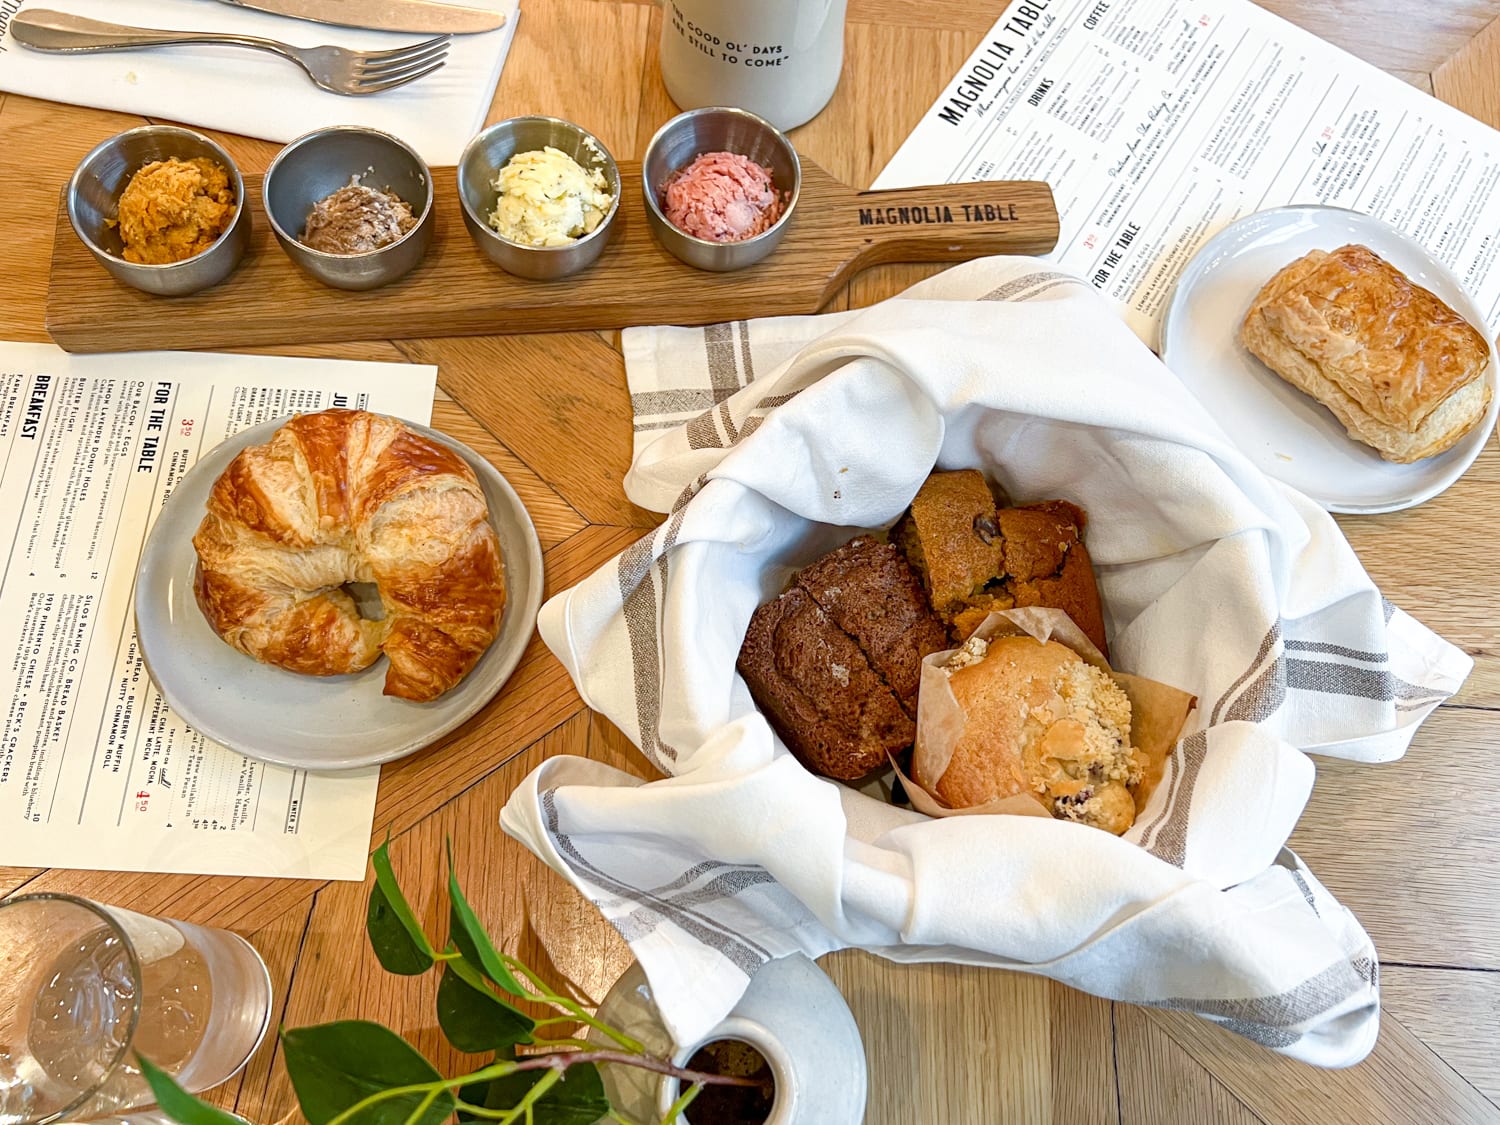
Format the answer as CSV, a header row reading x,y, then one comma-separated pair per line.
x,y
95,769
1159,122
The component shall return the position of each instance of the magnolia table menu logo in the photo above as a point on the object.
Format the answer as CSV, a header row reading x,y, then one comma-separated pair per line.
x,y
938,213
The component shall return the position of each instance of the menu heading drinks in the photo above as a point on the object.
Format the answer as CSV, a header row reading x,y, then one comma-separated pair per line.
x,y
95,769
1159,122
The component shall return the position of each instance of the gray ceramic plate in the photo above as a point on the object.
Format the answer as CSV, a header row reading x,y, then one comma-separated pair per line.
x,y
311,722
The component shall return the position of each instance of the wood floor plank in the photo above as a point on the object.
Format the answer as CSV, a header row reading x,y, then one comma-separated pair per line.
x,y
279,943
1402,1082
1356,27
1084,1073
1400,844
1161,1084
12,878
538,698
949,1043
571,562
1456,1012
239,904
552,422
580,61
1363,28
1466,78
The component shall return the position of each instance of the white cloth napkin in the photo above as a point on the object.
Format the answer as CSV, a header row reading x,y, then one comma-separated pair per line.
x,y
769,442
254,93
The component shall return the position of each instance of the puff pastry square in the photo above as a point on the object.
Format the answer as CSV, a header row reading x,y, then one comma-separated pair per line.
x,y
1400,369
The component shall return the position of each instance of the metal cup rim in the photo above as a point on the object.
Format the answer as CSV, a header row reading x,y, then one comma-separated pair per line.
x,y
483,222
313,134
692,239
160,268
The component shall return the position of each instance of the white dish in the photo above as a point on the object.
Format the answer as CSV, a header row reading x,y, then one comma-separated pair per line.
x,y
1286,433
311,722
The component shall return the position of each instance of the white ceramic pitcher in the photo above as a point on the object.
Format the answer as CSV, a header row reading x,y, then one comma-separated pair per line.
x,y
777,58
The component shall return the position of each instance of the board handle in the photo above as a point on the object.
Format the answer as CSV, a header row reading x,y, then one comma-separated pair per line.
x,y
948,222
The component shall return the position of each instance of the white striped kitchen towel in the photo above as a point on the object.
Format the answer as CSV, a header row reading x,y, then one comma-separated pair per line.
x,y
769,443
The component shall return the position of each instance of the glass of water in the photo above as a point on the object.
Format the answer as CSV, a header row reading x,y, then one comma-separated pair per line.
x,y
84,988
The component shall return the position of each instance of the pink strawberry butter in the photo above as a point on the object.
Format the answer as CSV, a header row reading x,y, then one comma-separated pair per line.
x,y
722,197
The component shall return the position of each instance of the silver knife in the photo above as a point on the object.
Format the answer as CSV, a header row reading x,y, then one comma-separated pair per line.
x,y
423,17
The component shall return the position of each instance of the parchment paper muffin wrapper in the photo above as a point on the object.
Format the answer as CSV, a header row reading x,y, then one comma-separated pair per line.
x,y
1157,715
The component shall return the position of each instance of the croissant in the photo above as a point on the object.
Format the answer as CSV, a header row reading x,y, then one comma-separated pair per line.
x,y
348,496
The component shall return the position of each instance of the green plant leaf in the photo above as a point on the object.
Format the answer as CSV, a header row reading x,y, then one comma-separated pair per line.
x,y
395,934
473,941
474,1018
578,1099
333,1066
180,1105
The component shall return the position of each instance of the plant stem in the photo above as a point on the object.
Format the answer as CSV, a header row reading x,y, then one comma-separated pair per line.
x,y
644,1062
533,1095
676,1108
632,1045
478,1110
582,1044
422,1106
555,1061
569,1005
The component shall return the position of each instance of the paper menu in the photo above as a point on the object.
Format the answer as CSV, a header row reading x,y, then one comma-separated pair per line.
x,y
1159,122
95,770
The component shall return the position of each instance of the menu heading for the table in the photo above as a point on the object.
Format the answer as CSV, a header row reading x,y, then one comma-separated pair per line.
x,y
1159,122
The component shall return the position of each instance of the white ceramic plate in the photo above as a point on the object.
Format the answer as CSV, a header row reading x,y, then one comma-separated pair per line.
x,y
311,722
1286,433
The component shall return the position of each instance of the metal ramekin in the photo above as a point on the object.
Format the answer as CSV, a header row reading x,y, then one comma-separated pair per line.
x,y
482,160
719,129
316,165
94,204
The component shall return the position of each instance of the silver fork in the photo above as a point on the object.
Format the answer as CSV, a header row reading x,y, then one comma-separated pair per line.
x,y
336,69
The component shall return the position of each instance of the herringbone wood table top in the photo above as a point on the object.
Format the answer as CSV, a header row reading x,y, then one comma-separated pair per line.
x,y
1413,848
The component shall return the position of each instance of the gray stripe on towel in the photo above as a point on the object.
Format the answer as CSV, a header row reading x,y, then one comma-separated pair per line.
x,y
703,434
638,595
1012,289
1267,643
659,424
747,364
1338,650
645,919
724,416
675,402
1169,840
741,952
1263,697
718,348
1333,678
1284,1010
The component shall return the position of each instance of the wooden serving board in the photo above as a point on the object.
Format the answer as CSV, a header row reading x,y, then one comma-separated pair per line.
x,y
457,291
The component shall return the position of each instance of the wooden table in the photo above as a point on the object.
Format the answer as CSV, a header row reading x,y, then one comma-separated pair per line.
x,y
1413,847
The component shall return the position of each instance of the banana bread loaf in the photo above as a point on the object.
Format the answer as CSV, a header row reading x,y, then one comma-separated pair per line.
x,y
834,661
